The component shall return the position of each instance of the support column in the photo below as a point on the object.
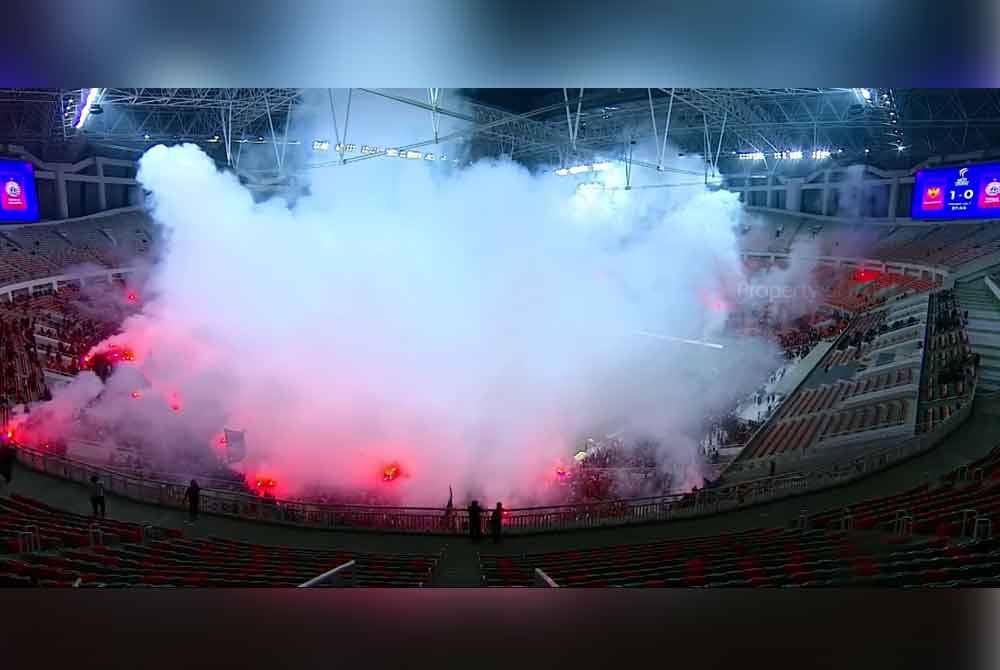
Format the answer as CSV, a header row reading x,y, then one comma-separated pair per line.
x,y
793,195
893,198
102,187
61,199
826,194
137,197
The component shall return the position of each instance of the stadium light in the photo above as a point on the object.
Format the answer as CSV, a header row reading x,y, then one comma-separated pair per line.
x,y
795,155
820,154
583,168
91,98
865,95
321,145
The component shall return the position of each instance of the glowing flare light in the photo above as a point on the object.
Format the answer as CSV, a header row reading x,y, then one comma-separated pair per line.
x,y
390,472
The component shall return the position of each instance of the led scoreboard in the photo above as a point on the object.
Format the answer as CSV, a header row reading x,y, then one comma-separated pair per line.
x,y
18,199
968,192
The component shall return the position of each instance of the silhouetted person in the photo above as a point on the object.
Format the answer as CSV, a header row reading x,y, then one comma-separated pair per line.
x,y
496,523
97,496
475,520
772,468
7,457
449,510
193,498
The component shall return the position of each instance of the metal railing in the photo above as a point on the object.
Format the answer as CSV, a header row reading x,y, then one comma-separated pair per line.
x,y
542,580
331,576
516,521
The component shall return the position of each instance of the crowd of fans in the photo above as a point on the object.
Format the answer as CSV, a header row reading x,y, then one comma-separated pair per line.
x,y
21,379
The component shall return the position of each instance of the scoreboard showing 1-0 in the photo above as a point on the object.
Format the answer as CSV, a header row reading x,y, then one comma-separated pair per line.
x,y
968,192
18,198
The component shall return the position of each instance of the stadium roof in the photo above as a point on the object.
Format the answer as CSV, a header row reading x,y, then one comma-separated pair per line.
x,y
546,125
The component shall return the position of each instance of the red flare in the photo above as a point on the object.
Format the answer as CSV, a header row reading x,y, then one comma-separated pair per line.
x,y
136,394
390,472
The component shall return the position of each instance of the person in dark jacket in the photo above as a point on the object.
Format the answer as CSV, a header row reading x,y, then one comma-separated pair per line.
x,y
449,512
193,498
475,520
97,496
496,523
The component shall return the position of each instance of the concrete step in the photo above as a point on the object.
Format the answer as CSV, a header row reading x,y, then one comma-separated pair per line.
x,y
460,565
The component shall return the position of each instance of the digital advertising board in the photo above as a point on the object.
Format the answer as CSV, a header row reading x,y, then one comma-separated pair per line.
x,y
18,196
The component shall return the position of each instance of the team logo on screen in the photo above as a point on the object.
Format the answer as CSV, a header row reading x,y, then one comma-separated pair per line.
x,y
933,197
991,193
13,196
962,179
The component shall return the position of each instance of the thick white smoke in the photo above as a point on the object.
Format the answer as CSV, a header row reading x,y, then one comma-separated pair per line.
x,y
470,324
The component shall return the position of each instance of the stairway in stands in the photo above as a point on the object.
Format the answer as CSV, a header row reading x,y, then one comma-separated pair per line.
x,y
984,329
459,565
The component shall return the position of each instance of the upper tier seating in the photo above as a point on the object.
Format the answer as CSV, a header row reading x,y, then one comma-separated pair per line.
x,y
949,245
42,250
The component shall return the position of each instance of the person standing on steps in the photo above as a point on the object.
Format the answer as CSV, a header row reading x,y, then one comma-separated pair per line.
x,y
475,520
496,523
193,498
97,497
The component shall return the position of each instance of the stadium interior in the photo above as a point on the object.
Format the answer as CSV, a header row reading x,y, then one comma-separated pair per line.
x,y
215,370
